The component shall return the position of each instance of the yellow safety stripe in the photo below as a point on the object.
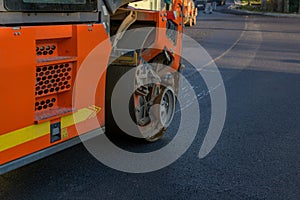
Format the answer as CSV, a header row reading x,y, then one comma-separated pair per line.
x,y
80,116
23,135
33,132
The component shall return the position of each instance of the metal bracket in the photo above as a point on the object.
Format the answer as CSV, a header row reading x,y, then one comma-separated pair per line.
x,y
128,21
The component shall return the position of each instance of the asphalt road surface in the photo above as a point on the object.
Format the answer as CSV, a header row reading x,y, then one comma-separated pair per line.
x,y
257,155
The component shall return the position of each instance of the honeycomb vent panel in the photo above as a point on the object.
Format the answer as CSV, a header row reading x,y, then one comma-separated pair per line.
x,y
45,103
44,50
53,79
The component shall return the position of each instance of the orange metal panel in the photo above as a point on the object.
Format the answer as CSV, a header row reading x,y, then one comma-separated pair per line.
x,y
53,32
44,141
93,56
18,54
24,149
17,78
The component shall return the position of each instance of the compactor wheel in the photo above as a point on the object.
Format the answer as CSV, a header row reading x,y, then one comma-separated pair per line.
x,y
151,107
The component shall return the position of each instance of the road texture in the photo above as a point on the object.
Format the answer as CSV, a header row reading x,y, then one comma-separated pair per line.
x,y
257,155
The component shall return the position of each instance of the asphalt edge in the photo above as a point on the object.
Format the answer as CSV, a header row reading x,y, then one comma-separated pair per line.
x,y
235,11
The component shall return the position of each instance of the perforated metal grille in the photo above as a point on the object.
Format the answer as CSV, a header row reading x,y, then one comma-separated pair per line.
x,y
53,79
46,49
45,103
